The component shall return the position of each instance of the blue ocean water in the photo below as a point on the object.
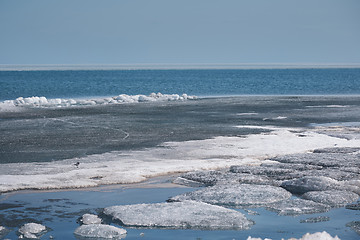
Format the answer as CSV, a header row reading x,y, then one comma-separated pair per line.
x,y
205,82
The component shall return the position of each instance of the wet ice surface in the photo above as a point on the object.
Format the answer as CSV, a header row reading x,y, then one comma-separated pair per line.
x,y
179,215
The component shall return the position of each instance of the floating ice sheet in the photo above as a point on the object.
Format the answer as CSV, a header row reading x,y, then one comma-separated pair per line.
x,y
236,195
179,215
297,207
332,197
100,231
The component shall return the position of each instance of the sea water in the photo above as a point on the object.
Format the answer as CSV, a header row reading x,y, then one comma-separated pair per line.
x,y
73,129
205,82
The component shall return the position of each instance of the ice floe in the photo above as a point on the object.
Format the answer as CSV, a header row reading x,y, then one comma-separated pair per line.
x,y
60,102
331,197
90,219
236,195
179,215
296,207
100,231
32,230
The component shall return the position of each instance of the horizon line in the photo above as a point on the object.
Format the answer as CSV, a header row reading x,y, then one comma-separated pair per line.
x,y
173,66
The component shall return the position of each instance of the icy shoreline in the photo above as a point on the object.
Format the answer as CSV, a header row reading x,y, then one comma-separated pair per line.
x,y
172,157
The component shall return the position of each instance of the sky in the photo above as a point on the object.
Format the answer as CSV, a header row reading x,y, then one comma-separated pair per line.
x,y
179,31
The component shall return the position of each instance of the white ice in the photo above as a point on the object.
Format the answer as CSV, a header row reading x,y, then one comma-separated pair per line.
x,y
11,105
32,230
100,231
179,215
90,219
171,157
308,236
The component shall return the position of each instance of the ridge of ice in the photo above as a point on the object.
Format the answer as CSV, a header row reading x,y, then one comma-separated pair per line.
x,y
90,219
236,195
308,236
32,230
61,102
179,215
100,231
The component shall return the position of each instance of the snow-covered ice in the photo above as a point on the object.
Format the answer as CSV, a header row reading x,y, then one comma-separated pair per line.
x,y
171,157
236,195
331,197
32,230
297,207
100,231
90,219
179,215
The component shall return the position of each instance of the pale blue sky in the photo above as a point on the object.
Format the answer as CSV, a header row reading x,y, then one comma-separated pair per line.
x,y
183,31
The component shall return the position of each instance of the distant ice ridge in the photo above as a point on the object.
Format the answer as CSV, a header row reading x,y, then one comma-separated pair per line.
x,y
60,102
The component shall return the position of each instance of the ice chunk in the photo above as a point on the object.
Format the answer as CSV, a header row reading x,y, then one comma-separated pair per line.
x,y
179,215
100,231
297,207
333,198
236,195
90,219
310,183
32,230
